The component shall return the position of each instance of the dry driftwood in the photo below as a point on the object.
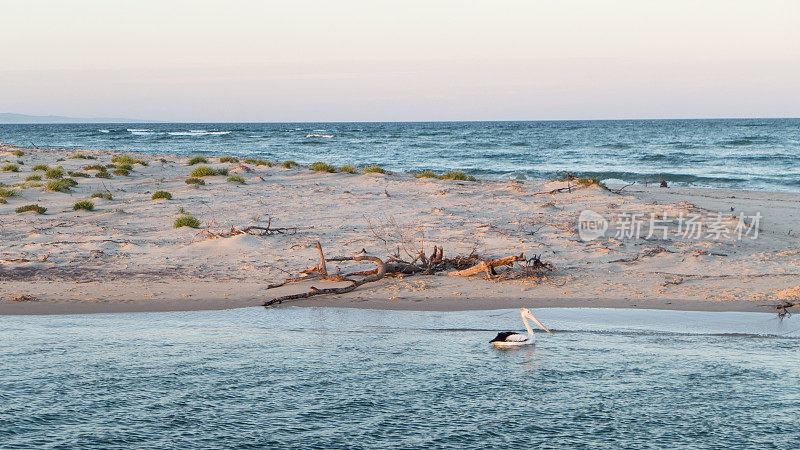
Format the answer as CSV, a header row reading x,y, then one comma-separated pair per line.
x,y
619,191
25,260
487,266
252,229
322,274
421,264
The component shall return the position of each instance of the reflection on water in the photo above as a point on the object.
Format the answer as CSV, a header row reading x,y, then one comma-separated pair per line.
x,y
358,378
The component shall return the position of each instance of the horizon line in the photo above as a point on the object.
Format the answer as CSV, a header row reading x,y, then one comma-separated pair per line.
x,y
156,121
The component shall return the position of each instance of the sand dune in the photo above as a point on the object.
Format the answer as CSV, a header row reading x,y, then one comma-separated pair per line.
x,y
125,255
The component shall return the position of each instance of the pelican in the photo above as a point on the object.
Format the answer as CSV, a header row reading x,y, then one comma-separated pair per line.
x,y
510,338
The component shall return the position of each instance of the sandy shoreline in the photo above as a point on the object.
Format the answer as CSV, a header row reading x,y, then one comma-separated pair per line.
x,y
125,255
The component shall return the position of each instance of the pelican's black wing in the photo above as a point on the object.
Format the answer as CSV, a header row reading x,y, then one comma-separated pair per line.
x,y
508,336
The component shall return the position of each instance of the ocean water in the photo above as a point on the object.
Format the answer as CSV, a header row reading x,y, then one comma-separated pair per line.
x,y
742,153
340,378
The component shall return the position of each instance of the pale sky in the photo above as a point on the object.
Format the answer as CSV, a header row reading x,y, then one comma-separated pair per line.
x,y
373,60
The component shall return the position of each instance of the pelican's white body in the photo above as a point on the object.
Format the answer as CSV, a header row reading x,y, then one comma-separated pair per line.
x,y
510,339
526,341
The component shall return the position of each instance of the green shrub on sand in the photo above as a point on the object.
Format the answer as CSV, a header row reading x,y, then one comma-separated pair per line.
x,y
186,220
197,160
127,159
7,192
105,195
375,169
322,167
205,171
35,208
85,205
61,185
161,195
54,173
426,174
456,175
257,162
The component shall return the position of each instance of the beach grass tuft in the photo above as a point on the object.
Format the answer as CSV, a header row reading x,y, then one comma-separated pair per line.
x,y
426,174
320,166
121,172
10,168
35,208
197,159
103,194
61,185
289,164
592,181
7,192
78,174
102,175
161,194
127,159
54,173
204,171
236,179
228,159
33,178
18,153
81,156
347,168
257,162
375,169
42,167
186,220
456,175
195,181
85,205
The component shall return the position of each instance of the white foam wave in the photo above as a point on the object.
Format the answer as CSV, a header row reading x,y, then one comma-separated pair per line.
x,y
104,131
197,133
319,135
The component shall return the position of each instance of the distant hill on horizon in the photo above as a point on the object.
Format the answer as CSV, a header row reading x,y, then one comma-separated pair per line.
x,y
12,118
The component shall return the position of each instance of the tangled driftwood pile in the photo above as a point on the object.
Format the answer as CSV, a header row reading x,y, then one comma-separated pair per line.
x,y
433,264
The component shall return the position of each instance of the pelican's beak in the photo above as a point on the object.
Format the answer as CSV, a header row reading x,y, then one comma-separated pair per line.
x,y
530,316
